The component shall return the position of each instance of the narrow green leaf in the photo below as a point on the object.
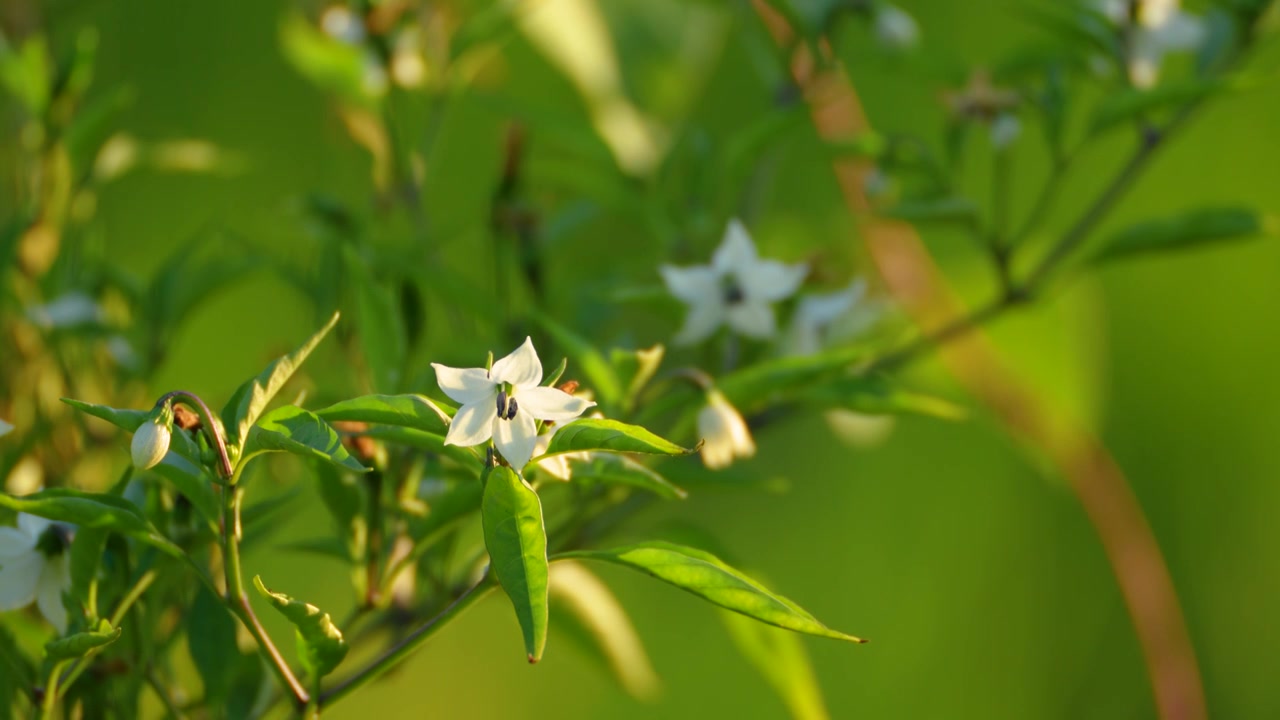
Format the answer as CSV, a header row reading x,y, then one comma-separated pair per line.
x,y
91,510
81,643
86,554
754,386
943,209
193,482
880,395
378,323
621,470
211,640
1189,230
320,643
586,608
17,673
516,539
251,399
1134,105
294,430
431,442
601,435
600,376
411,411
706,576
636,368
783,661
331,547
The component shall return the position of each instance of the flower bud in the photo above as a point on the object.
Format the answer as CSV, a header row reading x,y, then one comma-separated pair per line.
x,y
150,443
724,433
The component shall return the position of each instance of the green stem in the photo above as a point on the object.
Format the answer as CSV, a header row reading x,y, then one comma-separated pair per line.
x,y
126,603
170,707
50,701
407,646
194,402
238,602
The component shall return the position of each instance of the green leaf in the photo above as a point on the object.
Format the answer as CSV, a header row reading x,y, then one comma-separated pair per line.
x,y
781,658
1189,230
706,576
1132,105
753,387
320,644
621,470
516,539
25,72
86,553
943,209
211,640
251,399
330,64
81,643
204,264
600,376
431,442
294,430
129,420
586,608
94,511
880,395
636,368
193,482
331,547
601,435
378,323
411,411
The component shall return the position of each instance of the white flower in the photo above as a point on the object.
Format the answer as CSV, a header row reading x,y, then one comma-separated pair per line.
x,y
1162,27
557,466
1005,129
823,319
70,310
504,402
724,433
895,28
341,24
27,573
5,428
150,443
736,288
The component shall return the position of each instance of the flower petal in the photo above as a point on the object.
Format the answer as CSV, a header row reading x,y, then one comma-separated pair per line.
x,y
15,542
33,525
521,368
18,578
55,577
770,280
701,321
694,285
736,250
547,403
5,428
473,424
753,319
515,439
464,386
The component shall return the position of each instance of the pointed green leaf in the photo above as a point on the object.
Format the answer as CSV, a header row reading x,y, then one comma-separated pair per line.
x,y
609,436
753,387
211,640
943,209
516,539
880,395
431,442
1134,105
706,576
320,643
783,661
250,400
586,608
81,643
129,420
294,430
600,376
1188,230
91,510
411,411
621,470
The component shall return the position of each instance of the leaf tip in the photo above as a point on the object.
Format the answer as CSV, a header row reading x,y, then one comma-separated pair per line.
x,y
533,659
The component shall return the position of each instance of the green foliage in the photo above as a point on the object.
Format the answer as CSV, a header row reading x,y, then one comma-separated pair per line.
x,y
294,430
516,539
594,434
321,646
94,511
410,411
211,640
706,576
81,643
1186,231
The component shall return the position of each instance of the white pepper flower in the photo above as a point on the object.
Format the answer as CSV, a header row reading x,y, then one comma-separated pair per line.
x,y
895,28
724,433
1162,27
737,288
35,566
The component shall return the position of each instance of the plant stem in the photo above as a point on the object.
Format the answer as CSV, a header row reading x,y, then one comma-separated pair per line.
x,y
238,602
194,402
51,692
170,707
408,645
139,586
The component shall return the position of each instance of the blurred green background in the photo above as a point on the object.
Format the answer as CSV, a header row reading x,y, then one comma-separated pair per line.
x,y
970,567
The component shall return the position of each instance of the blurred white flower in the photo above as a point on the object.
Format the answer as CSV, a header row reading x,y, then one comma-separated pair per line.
x,y
150,443
34,565
895,28
737,288
504,402
827,318
339,23
1005,129
724,433
5,428
408,68
859,429
70,310
1162,27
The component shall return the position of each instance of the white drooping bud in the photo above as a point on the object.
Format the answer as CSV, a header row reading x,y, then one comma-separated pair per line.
x,y
895,28
151,441
724,433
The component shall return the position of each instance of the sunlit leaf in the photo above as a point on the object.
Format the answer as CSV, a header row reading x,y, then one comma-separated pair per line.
x,y
706,576
610,436
621,470
1188,230
781,658
294,430
516,539
321,646
598,372
81,643
411,411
